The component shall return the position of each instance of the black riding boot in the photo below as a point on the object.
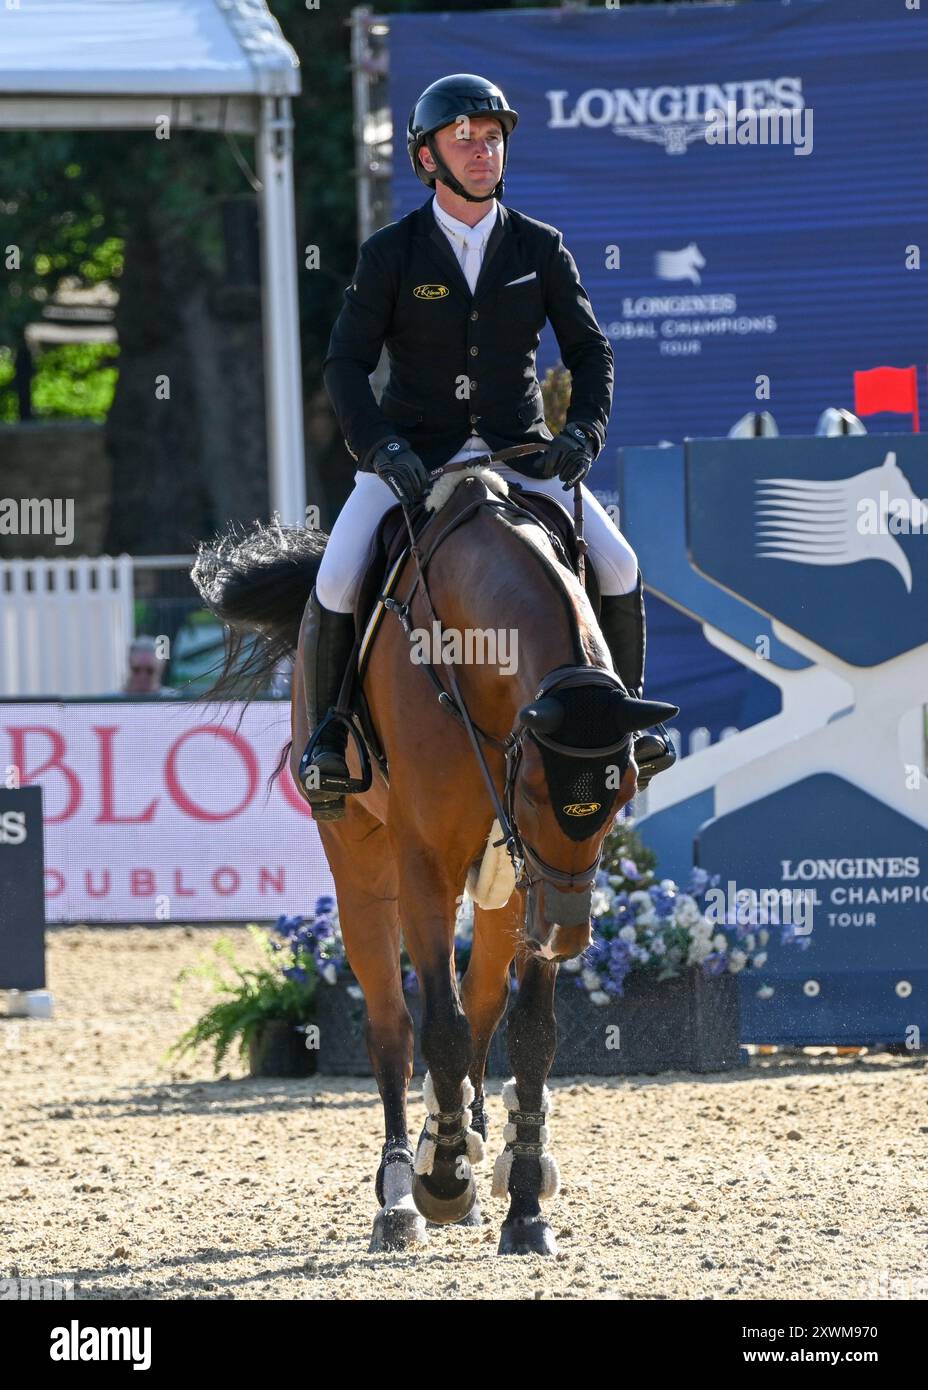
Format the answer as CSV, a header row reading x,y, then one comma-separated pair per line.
x,y
622,621
328,643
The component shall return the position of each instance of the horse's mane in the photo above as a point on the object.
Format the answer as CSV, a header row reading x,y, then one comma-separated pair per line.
x,y
589,647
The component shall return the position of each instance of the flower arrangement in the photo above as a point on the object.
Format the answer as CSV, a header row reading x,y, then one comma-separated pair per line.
x,y
320,938
643,925
640,925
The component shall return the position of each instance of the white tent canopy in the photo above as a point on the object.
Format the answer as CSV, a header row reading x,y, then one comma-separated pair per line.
x,y
220,65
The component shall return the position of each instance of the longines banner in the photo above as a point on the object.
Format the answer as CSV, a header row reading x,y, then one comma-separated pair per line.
x,y
160,811
708,166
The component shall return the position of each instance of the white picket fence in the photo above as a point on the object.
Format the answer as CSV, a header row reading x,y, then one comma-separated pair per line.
x,y
65,625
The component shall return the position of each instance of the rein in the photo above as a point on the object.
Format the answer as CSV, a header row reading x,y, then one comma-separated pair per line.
x,y
520,851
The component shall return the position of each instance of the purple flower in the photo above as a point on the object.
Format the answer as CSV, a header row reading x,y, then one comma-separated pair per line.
x,y
324,904
295,972
699,880
629,869
288,926
715,963
411,982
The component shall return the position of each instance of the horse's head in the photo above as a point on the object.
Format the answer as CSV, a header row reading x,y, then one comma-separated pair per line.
x,y
574,771
902,500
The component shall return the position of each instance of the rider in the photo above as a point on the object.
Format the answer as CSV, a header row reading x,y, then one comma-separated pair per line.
x,y
460,291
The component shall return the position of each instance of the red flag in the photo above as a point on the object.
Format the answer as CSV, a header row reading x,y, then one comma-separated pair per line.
x,y
887,388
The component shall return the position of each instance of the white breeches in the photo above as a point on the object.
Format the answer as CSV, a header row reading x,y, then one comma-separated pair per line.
x,y
345,556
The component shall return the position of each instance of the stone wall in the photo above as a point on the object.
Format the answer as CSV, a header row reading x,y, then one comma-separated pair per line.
x,y
67,462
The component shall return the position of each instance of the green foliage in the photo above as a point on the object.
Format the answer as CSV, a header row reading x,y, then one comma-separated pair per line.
x,y
555,391
75,379
251,998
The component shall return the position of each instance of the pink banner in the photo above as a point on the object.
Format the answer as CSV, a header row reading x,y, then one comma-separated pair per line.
x,y
160,811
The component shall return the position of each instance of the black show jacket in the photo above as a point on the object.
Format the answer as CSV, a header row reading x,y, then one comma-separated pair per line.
x,y
462,363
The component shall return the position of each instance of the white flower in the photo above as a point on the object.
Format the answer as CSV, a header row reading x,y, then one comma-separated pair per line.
x,y
356,991
763,937
668,885
601,901
737,961
639,953
701,930
764,992
590,978
572,966
658,946
639,898
329,973
627,934
616,880
599,996
698,951
719,942
749,942
686,911
760,959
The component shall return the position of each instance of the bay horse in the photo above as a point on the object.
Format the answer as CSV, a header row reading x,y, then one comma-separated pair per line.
x,y
405,848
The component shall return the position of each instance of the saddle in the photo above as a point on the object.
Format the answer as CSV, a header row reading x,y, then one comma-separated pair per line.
x,y
389,550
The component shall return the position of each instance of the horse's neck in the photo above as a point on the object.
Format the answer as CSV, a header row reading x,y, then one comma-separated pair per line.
x,y
511,588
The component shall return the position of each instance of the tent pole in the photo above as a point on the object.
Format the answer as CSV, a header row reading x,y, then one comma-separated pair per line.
x,y
283,390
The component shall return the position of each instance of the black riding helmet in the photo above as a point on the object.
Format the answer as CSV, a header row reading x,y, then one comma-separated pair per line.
x,y
463,93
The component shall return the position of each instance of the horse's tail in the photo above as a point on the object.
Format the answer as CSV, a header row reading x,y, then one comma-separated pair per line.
x,y
257,582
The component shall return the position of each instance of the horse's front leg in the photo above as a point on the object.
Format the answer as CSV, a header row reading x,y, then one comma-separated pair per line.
x,y
362,863
525,1172
443,1187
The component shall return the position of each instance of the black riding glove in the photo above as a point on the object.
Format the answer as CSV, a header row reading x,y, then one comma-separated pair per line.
x,y
402,470
570,454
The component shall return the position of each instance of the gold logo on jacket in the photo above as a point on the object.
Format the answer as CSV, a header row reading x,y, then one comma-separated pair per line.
x,y
431,291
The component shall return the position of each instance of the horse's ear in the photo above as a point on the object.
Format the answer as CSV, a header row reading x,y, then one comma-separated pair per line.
x,y
545,714
632,715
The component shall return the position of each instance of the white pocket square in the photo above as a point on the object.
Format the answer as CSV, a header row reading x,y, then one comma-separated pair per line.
x,y
522,279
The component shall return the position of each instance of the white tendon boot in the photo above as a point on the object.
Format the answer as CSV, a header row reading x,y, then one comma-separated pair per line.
x,y
425,1153
550,1175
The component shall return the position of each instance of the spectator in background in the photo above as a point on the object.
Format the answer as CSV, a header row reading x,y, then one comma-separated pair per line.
x,y
146,670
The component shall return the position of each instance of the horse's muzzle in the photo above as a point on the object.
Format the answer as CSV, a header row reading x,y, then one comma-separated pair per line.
x,y
557,924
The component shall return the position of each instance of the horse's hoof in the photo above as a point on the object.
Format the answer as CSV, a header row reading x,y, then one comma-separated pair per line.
x,y
398,1228
526,1235
443,1211
473,1218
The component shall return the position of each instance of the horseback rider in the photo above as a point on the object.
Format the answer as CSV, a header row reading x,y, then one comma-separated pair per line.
x,y
460,291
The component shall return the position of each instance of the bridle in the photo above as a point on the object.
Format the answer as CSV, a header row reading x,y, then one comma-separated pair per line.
x,y
527,863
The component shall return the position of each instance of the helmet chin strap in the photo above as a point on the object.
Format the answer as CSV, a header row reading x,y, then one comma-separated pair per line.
x,y
443,173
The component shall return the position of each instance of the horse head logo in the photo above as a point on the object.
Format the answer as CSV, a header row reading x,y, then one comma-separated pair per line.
x,y
840,522
684,264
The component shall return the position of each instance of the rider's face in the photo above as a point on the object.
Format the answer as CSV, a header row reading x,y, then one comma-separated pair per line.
x,y
472,148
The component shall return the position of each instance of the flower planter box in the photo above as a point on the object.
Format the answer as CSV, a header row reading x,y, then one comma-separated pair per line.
x,y
690,1023
341,1019
278,1048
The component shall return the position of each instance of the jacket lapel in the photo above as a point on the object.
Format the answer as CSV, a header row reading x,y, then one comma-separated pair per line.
x,y
438,248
